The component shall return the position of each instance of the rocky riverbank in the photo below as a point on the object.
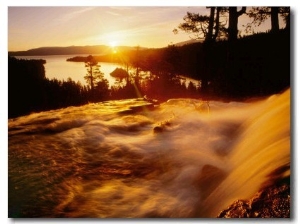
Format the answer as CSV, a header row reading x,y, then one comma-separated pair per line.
x,y
273,202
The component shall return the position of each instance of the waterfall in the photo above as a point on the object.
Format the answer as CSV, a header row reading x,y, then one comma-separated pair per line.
x,y
260,156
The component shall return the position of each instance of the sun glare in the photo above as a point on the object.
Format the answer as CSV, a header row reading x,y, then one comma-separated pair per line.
x,y
113,43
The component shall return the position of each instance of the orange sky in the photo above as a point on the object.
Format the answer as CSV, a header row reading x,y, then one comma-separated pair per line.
x,y
31,27
148,26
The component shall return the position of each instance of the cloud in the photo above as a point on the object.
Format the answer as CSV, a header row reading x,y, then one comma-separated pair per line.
x,y
113,13
74,14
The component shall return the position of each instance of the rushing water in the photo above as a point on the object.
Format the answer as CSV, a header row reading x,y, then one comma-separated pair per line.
x,y
183,158
57,67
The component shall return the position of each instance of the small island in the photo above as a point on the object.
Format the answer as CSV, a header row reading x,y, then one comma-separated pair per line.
x,y
119,73
99,58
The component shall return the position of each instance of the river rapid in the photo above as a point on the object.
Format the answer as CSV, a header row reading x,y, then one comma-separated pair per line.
x,y
184,158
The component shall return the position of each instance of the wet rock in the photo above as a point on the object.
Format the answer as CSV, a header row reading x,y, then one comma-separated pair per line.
x,y
158,129
239,209
272,202
161,127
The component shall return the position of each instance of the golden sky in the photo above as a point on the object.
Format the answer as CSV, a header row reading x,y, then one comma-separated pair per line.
x,y
32,27
147,26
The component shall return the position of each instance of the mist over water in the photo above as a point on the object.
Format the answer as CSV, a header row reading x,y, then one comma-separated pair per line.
x,y
183,158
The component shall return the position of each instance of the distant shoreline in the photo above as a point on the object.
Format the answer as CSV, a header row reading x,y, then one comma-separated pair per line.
x,y
71,50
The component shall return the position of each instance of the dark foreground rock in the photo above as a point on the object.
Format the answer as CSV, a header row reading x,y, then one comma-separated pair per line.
x,y
273,202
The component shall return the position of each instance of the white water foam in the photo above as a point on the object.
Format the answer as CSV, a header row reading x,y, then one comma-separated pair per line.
x,y
183,158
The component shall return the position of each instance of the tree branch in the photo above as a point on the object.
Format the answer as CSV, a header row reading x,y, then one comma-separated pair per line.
x,y
242,11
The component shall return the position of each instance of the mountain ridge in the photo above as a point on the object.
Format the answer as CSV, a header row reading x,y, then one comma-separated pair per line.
x,y
87,49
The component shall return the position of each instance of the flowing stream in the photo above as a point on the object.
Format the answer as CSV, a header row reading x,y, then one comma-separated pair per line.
x,y
117,159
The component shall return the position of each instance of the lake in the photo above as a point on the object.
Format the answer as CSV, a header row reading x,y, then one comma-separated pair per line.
x,y
57,67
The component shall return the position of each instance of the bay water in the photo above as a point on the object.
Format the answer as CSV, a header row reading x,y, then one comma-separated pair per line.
x,y
58,67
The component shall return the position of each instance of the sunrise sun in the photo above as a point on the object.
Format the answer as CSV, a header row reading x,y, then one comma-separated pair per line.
x,y
113,45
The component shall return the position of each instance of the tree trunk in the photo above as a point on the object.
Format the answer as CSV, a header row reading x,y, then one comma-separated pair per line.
x,y
232,28
287,25
233,22
207,51
217,24
231,66
211,24
91,76
274,19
